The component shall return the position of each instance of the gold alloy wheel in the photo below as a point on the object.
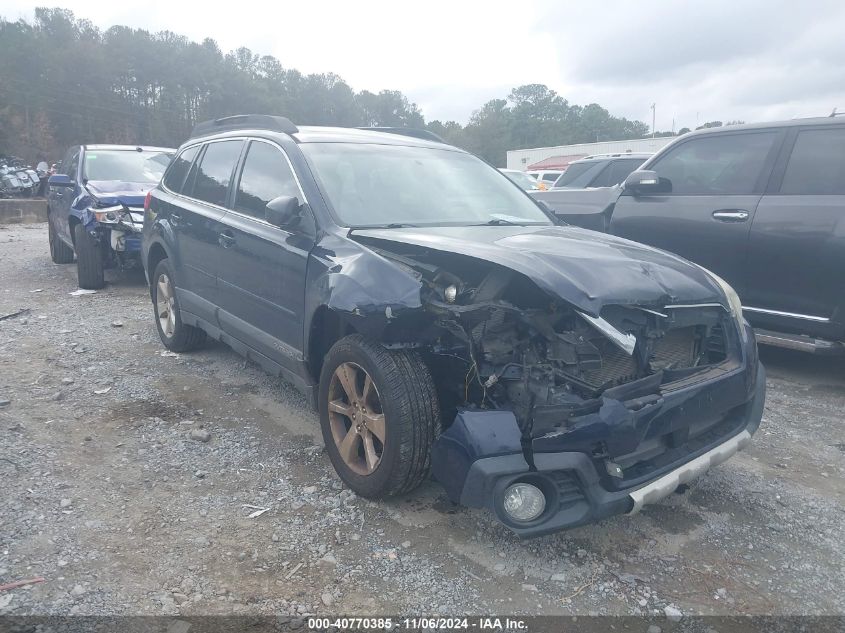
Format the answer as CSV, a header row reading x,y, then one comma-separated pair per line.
x,y
356,418
164,305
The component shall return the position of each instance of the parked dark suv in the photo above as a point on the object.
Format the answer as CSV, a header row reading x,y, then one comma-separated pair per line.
x,y
761,205
438,317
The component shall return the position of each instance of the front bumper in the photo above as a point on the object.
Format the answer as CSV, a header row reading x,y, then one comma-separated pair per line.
x,y
482,454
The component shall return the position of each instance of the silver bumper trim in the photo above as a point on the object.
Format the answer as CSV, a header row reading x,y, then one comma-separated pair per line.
x,y
666,485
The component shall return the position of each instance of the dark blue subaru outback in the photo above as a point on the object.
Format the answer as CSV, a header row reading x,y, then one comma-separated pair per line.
x,y
442,321
95,206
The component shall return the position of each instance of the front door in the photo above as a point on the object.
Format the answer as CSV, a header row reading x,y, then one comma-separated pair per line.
x,y
710,186
261,280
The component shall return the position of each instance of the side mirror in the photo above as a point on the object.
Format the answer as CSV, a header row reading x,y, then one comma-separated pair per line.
x,y
642,182
60,180
284,211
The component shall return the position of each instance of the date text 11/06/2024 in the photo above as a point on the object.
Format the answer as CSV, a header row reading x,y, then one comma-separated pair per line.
x,y
414,624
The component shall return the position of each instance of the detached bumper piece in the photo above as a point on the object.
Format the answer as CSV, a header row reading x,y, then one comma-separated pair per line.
x,y
617,461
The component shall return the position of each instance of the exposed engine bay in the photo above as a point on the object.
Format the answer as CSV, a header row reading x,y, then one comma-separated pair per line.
x,y
497,341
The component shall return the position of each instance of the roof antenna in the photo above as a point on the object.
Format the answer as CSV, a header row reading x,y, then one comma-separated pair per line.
x,y
833,114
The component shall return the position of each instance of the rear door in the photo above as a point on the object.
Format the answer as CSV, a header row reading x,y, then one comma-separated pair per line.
x,y
262,279
195,216
796,255
710,186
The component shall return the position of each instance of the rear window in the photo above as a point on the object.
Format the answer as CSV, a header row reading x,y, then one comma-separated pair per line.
x,y
212,177
817,164
573,172
178,170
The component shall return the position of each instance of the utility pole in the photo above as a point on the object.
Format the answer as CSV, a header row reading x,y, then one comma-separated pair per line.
x,y
653,116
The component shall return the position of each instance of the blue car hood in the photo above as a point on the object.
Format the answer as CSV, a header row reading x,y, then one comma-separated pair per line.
x,y
118,191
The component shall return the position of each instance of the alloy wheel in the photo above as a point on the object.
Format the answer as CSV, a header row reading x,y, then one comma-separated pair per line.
x,y
165,305
356,418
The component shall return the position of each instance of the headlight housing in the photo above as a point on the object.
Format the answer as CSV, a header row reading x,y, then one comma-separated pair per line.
x,y
108,215
734,304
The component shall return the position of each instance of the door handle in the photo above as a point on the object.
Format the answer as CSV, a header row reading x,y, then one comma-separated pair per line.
x,y
731,215
226,240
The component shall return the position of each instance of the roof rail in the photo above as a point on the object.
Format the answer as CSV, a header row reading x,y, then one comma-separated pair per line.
x,y
425,135
245,122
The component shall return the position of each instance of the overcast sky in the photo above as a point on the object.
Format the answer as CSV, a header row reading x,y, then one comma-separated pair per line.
x,y
721,59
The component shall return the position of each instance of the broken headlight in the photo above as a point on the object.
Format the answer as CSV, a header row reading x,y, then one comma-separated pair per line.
x,y
734,304
108,215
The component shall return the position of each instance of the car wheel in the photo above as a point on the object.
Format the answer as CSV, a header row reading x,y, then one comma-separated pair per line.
x,y
176,336
379,415
89,259
60,252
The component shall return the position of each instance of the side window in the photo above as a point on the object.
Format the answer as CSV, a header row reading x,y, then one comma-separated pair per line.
x,y
72,165
266,175
716,165
214,173
551,177
604,177
623,168
178,170
817,163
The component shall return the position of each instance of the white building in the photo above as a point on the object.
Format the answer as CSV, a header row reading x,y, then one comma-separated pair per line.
x,y
559,157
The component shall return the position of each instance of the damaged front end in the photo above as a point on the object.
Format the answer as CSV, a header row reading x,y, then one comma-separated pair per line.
x,y
584,408
114,224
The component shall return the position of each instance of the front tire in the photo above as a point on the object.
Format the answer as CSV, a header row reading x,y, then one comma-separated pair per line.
x,y
379,415
60,252
176,335
89,260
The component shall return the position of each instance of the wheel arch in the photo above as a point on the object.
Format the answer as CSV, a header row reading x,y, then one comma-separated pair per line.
x,y
327,327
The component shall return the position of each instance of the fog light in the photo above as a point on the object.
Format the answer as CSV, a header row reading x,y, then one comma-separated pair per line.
x,y
524,502
451,293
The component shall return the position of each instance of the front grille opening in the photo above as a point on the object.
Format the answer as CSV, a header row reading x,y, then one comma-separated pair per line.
x,y
715,346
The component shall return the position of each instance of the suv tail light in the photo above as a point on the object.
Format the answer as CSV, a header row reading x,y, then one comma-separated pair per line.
x,y
147,199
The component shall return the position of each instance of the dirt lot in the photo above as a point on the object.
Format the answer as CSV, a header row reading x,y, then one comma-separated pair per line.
x,y
106,495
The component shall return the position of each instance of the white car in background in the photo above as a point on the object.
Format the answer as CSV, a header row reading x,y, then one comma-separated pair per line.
x,y
545,179
526,182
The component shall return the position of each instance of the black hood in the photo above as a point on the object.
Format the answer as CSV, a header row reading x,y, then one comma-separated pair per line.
x,y
587,269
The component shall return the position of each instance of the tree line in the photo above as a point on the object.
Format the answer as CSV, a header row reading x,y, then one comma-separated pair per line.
x,y
64,81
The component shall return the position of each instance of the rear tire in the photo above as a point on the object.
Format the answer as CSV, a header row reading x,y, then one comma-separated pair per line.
x,y
60,252
176,335
89,260
400,404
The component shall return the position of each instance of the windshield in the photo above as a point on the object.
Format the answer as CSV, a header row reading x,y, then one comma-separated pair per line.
x,y
381,185
126,165
522,179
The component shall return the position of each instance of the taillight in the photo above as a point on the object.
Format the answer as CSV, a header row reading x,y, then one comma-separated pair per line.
x,y
147,199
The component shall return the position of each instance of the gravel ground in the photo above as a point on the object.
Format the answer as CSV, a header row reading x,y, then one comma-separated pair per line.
x,y
129,476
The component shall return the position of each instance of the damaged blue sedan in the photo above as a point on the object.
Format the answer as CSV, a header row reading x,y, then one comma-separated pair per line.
x,y
443,322
95,206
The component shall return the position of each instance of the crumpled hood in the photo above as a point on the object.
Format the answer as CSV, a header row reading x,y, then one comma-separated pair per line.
x,y
119,192
587,269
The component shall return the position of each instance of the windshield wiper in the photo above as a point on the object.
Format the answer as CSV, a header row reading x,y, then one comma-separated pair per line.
x,y
399,225
499,222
